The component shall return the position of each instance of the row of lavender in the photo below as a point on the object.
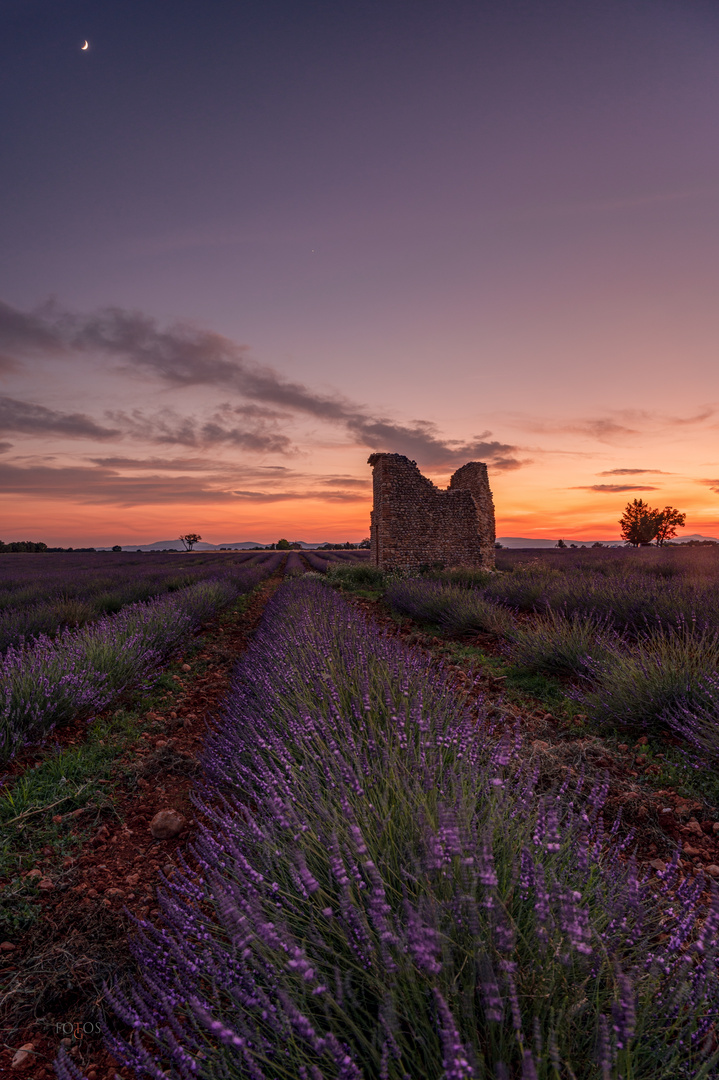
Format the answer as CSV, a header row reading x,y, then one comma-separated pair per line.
x,y
50,681
663,677
39,594
385,894
631,589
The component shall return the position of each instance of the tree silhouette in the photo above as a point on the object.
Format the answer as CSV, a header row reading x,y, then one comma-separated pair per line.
x,y
668,521
638,523
641,524
189,540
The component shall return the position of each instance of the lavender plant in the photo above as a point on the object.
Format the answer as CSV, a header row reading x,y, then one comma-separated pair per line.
x,y
695,717
631,589
81,671
666,669
455,609
318,560
360,575
383,893
295,564
558,644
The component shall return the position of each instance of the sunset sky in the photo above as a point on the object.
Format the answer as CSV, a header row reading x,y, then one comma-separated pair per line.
x,y
244,243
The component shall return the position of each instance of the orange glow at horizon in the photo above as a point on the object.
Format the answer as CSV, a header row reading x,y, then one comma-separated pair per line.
x,y
521,511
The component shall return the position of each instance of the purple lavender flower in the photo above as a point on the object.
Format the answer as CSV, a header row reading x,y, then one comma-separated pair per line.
x,y
454,1055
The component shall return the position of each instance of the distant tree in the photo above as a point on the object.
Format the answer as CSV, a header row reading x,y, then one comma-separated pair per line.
x,y
639,523
561,544
497,545
598,543
283,545
364,543
117,547
189,540
668,521
295,546
23,546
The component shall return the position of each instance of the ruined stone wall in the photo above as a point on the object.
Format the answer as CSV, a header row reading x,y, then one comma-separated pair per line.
x,y
415,523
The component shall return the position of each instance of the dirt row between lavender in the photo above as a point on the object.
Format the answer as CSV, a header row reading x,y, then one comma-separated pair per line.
x,y
106,862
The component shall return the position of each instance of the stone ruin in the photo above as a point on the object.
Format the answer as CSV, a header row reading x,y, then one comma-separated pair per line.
x,y
416,524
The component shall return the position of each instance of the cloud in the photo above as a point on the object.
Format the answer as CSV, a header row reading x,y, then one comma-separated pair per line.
x,y
347,481
713,485
421,442
623,424
5,446
155,464
184,355
170,428
97,486
614,488
27,334
603,428
287,496
632,472
103,484
30,419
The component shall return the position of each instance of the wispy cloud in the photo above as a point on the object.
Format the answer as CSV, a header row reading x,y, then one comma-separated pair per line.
x,y
184,355
31,419
614,488
288,496
615,427
256,434
347,481
107,482
713,485
97,486
154,464
27,333
633,472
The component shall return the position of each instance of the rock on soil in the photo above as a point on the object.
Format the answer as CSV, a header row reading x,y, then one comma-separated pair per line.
x,y
23,1057
167,824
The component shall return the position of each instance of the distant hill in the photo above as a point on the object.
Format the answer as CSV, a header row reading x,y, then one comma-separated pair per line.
x,y
692,536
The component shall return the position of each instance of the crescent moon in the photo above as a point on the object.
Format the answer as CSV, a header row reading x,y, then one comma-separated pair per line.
x,y
85,46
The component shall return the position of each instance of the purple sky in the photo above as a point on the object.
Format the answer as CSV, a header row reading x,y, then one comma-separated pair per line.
x,y
458,230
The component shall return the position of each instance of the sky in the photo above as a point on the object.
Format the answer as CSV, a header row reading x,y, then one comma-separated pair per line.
x,y
246,243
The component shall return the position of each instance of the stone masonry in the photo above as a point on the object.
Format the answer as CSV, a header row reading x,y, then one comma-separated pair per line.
x,y
415,523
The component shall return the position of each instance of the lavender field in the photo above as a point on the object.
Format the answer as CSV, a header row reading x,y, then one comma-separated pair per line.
x,y
385,893
636,632
47,681
379,884
40,594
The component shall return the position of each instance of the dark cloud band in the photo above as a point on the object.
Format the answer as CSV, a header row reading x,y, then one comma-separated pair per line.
x,y
184,355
